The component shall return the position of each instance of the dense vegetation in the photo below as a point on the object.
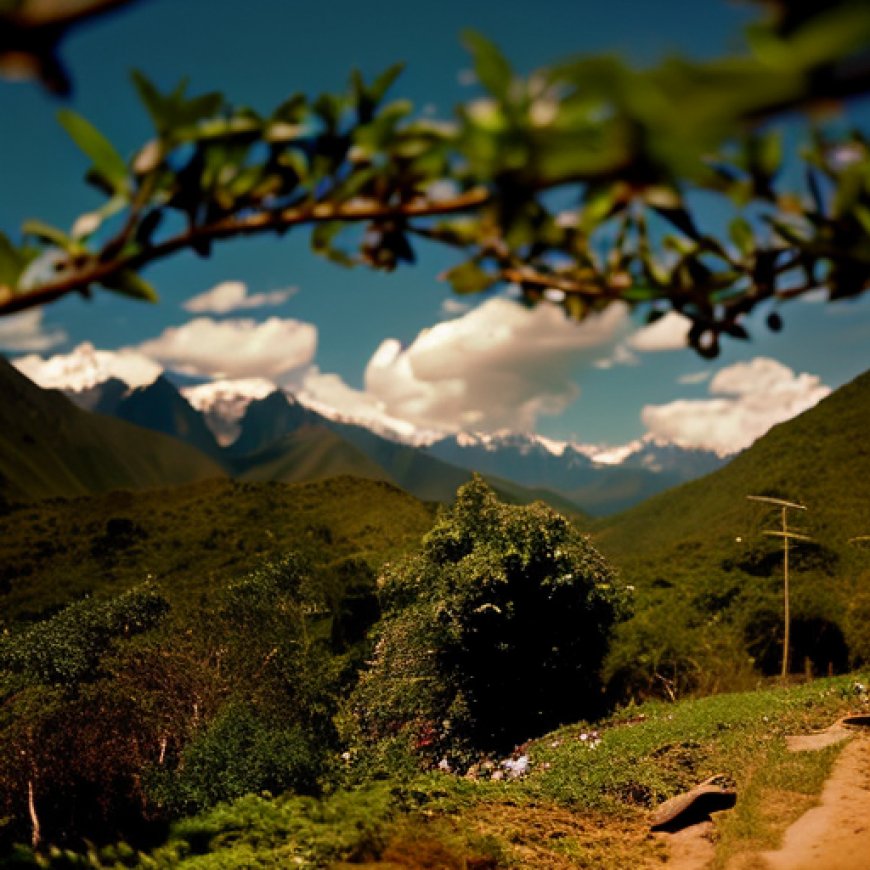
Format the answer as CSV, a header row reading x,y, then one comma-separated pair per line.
x,y
583,804
494,632
191,540
709,580
185,649
121,712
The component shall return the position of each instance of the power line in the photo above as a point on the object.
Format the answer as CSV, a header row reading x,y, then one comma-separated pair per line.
x,y
786,535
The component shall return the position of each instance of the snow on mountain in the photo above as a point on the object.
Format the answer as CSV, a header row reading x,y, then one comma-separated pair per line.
x,y
525,443
391,428
223,403
86,367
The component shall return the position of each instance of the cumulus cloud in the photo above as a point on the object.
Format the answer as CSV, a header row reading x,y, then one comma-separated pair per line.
x,y
498,366
666,333
749,398
85,367
233,296
276,348
26,332
328,394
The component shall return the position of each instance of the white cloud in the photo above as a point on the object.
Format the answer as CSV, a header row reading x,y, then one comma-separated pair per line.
x,y
452,307
233,296
498,366
26,332
666,333
751,397
331,396
620,356
275,349
695,377
85,367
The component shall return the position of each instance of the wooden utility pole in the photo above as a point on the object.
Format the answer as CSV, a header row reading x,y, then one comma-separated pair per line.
x,y
786,536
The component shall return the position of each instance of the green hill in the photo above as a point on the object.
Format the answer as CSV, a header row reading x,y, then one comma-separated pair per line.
x,y
188,539
49,447
820,459
700,559
310,453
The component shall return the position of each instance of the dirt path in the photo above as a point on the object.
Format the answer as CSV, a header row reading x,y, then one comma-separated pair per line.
x,y
836,834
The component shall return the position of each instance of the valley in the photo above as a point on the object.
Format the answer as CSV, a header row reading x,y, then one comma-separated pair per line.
x,y
96,507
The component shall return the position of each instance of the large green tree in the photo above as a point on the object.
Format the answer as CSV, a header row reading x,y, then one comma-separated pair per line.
x,y
575,183
494,632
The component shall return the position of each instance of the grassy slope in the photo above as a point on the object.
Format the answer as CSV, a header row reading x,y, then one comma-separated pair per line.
x,y
585,803
311,453
703,544
49,447
820,459
192,537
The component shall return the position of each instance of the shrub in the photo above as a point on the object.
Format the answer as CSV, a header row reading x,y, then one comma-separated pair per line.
x,y
241,752
494,632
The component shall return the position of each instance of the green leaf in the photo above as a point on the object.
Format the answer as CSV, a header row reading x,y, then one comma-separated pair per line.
x,y
380,86
598,206
87,224
129,283
768,153
469,277
50,234
11,262
862,213
107,161
742,235
153,100
322,237
493,70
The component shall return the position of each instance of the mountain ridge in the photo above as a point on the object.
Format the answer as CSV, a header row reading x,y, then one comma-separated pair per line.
x,y
50,447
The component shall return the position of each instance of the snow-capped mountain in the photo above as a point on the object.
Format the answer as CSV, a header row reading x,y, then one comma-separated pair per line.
x,y
247,415
86,367
597,479
223,403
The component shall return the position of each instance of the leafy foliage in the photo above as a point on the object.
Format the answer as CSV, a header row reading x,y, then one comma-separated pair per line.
x,y
709,614
628,146
494,631
65,649
70,741
194,540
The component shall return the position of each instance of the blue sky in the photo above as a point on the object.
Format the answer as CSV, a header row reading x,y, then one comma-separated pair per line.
x,y
259,51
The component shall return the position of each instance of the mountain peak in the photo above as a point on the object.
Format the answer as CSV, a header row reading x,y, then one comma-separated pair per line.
x,y
86,367
268,419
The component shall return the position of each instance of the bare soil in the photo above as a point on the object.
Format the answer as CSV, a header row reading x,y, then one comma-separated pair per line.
x,y
835,835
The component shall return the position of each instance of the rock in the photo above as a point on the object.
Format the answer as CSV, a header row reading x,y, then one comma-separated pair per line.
x,y
693,806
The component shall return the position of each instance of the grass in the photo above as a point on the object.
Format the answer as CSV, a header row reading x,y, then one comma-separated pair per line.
x,y
777,794
585,804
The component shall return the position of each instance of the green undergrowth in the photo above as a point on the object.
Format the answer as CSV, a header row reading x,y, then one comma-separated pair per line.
x,y
611,772
190,540
650,752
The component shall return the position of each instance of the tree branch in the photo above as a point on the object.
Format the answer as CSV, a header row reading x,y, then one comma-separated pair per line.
x,y
350,212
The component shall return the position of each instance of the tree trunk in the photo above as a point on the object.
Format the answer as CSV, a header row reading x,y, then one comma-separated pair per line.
x,y
35,837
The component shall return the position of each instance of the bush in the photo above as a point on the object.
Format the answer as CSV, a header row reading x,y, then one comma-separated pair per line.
x,y
494,632
240,752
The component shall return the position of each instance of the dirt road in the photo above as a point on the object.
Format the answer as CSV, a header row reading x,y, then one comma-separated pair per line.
x,y
835,835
